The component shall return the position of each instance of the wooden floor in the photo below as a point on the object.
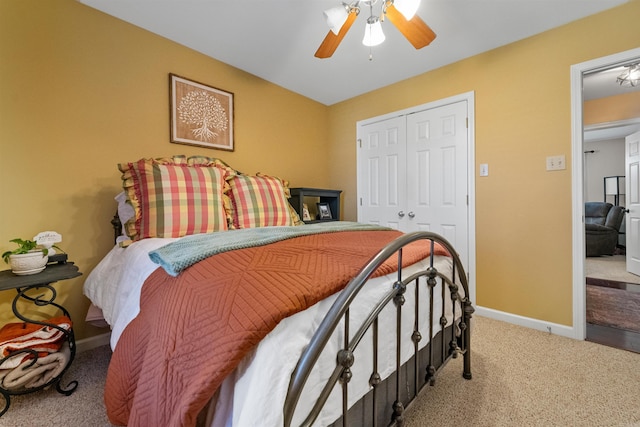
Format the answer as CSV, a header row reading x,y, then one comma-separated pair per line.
x,y
613,313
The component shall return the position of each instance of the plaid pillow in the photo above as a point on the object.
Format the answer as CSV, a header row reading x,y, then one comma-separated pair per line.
x,y
172,198
260,201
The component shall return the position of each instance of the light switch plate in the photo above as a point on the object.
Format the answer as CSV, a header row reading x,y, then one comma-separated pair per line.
x,y
484,169
556,163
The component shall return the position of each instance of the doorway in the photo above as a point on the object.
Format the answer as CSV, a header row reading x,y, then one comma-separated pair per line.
x,y
578,72
612,292
604,181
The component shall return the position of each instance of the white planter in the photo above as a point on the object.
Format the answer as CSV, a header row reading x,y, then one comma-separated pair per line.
x,y
30,263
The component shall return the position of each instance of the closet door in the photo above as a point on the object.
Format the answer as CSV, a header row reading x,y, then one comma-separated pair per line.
x,y
437,153
381,173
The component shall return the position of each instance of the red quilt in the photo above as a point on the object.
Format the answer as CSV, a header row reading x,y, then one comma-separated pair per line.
x,y
194,329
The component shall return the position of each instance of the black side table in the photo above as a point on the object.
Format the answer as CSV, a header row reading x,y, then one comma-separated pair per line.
x,y
23,285
331,197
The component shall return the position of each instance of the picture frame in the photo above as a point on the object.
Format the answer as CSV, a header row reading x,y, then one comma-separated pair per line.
x,y
200,114
306,216
324,212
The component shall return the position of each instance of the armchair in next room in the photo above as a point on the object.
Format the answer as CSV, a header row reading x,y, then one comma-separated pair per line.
x,y
602,223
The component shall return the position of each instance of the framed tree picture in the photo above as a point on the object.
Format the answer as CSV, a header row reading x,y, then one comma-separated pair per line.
x,y
200,115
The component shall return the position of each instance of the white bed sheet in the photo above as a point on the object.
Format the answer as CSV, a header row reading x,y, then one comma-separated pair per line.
x,y
259,384
114,285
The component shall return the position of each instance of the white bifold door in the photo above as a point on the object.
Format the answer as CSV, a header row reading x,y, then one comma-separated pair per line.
x,y
413,173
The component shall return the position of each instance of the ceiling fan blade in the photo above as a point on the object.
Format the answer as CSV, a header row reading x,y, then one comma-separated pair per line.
x,y
331,41
415,30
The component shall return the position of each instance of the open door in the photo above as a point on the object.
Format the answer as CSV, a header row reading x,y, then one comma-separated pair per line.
x,y
632,187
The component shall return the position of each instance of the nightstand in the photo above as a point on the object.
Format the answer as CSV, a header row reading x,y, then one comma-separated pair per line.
x,y
312,196
26,287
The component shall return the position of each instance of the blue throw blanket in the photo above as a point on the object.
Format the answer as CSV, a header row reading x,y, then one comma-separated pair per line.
x,y
176,256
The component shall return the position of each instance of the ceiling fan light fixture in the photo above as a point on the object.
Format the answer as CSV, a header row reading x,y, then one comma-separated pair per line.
x,y
630,77
336,17
373,34
403,17
407,8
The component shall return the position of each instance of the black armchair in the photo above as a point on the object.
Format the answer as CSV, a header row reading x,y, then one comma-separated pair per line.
x,y
602,224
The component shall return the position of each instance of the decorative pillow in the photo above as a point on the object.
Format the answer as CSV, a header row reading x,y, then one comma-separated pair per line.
x,y
209,161
175,197
295,218
261,201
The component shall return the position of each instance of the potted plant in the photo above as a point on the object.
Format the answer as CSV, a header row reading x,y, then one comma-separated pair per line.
x,y
27,258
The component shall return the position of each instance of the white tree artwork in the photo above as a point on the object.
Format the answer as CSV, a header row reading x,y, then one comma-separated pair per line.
x,y
204,111
201,115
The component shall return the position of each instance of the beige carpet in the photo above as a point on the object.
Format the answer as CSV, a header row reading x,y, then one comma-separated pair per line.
x,y
610,268
521,377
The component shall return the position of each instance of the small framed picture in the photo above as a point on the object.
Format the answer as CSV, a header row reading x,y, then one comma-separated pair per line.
x,y
323,211
305,212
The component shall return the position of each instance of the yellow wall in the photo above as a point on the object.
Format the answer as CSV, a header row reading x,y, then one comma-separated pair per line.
x,y
523,115
81,91
612,108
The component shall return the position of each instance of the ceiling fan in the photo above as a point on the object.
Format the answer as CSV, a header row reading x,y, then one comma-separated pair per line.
x,y
400,12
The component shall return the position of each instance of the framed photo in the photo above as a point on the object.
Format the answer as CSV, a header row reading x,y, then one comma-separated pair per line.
x,y
323,211
201,115
305,212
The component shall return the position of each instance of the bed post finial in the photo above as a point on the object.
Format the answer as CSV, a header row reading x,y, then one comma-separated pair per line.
x,y
398,413
117,226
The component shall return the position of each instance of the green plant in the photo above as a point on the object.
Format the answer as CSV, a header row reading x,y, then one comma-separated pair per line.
x,y
24,246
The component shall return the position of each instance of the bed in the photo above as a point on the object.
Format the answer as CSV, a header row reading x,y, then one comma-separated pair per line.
x,y
254,318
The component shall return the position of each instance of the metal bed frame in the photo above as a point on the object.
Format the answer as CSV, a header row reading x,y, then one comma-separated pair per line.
x,y
408,379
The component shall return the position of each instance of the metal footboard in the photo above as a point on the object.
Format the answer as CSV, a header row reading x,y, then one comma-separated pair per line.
x,y
454,340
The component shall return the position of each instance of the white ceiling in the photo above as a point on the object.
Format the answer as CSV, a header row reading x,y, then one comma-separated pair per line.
x,y
276,39
604,83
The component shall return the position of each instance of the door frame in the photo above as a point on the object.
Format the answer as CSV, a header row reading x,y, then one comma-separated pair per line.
x,y
471,162
577,162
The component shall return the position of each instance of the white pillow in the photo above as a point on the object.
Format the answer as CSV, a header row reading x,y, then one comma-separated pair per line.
x,y
125,213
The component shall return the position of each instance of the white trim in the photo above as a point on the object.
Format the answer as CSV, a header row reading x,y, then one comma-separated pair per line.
x,y
471,129
577,206
527,322
471,158
90,343
614,124
577,178
611,130
467,96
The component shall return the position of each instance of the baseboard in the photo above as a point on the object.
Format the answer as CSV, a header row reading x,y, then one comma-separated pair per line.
x,y
527,322
93,342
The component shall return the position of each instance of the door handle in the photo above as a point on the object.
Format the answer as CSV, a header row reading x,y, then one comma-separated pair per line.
x,y
401,214
411,214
